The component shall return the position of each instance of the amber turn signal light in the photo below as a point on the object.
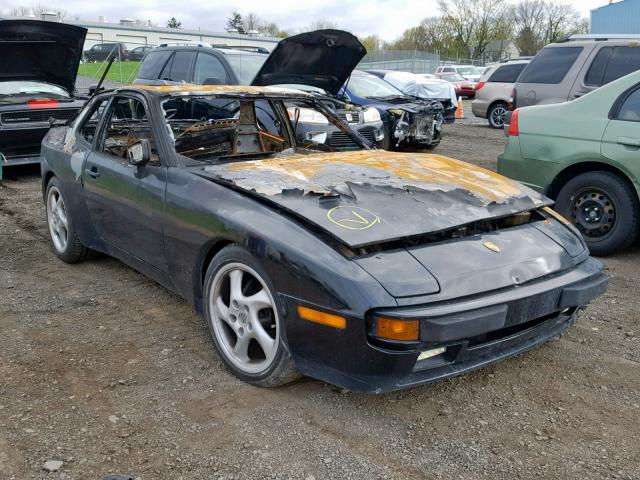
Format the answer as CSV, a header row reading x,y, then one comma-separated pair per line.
x,y
395,329
328,319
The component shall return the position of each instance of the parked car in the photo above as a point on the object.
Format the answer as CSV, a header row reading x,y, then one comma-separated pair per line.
x,y
468,72
463,87
367,269
572,68
101,52
584,154
37,84
408,121
202,64
421,86
138,53
493,92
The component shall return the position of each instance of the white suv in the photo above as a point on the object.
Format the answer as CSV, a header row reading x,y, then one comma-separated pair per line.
x,y
469,72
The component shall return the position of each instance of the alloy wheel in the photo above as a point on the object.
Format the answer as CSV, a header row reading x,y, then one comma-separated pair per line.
x,y
57,220
498,115
244,318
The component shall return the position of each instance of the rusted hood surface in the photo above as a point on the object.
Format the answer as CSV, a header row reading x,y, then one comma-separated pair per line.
x,y
368,197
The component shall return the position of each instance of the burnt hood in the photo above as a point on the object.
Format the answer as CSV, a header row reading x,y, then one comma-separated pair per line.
x,y
41,51
368,197
322,59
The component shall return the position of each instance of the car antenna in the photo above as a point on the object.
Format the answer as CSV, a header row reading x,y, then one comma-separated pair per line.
x,y
112,57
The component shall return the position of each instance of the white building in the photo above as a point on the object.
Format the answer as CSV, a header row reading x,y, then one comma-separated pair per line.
x,y
134,34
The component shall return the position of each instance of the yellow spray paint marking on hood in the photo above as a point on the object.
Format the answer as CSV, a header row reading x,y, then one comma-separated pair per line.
x,y
416,169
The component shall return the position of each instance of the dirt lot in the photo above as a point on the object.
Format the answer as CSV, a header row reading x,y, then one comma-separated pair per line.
x,y
110,373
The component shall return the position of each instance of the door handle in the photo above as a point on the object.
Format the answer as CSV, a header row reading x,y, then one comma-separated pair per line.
x,y
92,172
629,141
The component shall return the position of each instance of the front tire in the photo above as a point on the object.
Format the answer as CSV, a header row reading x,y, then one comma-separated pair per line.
x,y
246,320
64,239
604,208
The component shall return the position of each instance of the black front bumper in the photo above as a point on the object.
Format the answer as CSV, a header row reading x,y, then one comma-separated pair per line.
x,y
474,331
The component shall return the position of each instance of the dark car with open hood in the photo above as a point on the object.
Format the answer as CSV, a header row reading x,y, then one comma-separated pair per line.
x,y
38,66
409,121
368,269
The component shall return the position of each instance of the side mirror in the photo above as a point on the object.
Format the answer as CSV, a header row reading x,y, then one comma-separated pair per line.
x,y
212,81
139,153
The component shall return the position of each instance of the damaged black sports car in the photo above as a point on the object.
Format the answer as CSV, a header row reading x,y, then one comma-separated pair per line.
x,y
368,269
38,66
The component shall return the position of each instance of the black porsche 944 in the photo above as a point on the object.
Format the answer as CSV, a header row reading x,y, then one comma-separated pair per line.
x,y
367,269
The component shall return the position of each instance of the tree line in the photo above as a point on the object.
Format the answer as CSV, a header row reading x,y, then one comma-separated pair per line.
x,y
466,28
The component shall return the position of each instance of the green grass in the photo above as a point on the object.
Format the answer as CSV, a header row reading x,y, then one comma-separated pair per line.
x,y
124,72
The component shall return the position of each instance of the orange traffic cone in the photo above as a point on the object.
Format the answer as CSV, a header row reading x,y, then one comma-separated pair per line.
x,y
459,112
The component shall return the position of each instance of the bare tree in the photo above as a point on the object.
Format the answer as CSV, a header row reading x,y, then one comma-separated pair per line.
x,y
251,21
476,23
529,18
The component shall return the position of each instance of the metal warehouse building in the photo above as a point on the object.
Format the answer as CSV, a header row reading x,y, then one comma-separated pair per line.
x,y
134,34
617,17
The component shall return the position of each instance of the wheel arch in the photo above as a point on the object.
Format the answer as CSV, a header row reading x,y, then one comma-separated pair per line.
x,y
496,102
210,252
45,182
583,167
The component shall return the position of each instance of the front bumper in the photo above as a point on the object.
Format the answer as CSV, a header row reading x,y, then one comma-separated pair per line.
x,y
475,331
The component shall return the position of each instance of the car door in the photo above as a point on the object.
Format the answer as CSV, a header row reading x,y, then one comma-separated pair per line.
x,y
621,139
126,202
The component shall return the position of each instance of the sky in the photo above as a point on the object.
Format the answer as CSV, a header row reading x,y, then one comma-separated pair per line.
x,y
386,18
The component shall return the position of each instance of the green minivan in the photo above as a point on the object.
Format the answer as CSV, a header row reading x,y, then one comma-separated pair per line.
x,y
584,154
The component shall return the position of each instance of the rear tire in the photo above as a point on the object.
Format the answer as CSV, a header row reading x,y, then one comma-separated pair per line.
x,y
246,320
64,239
497,115
604,207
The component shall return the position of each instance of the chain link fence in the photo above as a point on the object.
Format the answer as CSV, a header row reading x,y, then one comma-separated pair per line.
x,y
414,61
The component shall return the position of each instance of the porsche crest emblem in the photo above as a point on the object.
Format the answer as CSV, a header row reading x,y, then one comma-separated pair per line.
x,y
492,246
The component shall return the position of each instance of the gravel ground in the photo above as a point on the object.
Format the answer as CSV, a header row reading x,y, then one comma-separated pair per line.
x,y
107,372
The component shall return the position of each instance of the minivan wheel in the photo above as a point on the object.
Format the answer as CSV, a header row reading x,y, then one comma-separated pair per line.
x,y
246,320
604,208
497,114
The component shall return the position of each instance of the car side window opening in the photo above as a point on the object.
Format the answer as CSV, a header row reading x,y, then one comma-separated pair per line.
x,y
210,128
630,109
612,63
209,70
506,73
90,123
153,64
127,125
550,65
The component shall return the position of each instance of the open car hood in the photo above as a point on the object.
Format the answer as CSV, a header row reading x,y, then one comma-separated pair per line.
x,y
41,51
322,59
368,197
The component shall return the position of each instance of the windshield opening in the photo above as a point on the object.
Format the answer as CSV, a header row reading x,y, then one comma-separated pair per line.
x,y
246,66
370,86
221,129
